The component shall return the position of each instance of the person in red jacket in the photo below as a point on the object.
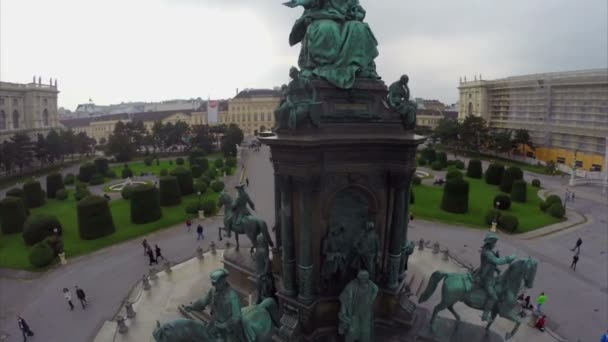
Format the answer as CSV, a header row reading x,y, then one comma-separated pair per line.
x,y
540,324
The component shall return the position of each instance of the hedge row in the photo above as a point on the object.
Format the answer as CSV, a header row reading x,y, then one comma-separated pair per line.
x,y
169,191
32,194
455,196
184,178
94,218
12,215
145,204
511,175
54,183
494,174
37,227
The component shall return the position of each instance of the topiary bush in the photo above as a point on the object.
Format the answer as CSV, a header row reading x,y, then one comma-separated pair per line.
x,y
101,165
219,163
453,173
553,199
15,192
200,186
81,192
32,194
508,223
94,218
169,191
184,179
436,165
69,179
556,210
179,161
459,165
54,183
491,215
227,170
12,215
125,193
37,227
110,174
231,161
195,154
41,255
421,161
97,179
212,173
164,172
519,191
193,207
416,180
61,195
494,174
455,196
474,169
209,206
148,161
429,155
197,171
126,172
442,157
504,202
217,186
87,170
511,174
203,163
170,162
205,179
145,204
536,183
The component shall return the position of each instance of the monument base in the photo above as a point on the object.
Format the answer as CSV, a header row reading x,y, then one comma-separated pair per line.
x,y
446,330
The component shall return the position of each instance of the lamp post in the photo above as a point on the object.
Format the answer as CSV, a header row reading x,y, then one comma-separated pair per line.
x,y
495,222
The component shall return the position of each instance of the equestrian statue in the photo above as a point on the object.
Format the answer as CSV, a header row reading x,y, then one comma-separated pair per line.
x,y
485,288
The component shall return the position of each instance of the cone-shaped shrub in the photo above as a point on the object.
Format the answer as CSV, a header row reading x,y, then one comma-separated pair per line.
x,y
12,215
455,196
429,154
442,157
32,194
169,191
54,183
87,171
37,227
511,175
474,169
197,171
145,204
494,174
519,191
184,178
101,164
453,173
195,154
94,218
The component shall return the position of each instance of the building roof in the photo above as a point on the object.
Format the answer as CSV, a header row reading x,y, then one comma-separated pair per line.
x,y
223,106
249,93
143,116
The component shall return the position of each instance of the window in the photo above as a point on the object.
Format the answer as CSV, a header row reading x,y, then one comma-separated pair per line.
x,y
470,95
15,102
596,168
1,101
2,120
45,117
561,160
470,111
578,164
15,120
255,116
45,101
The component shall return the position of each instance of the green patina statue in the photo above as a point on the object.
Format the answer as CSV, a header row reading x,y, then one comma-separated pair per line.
x,y
334,250
238,218
481,290
298,102
336,44
367,249
357,309
399,101
264,278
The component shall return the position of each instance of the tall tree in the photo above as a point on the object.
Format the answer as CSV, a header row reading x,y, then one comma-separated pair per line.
x,y
474,133
234,136
120,143
202,137
447,131
158,134
9,156
522,138
41,151
24,149
84,144
54,146
501,141
68,143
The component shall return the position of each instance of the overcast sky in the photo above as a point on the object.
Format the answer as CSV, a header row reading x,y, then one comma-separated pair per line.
x,y
150,50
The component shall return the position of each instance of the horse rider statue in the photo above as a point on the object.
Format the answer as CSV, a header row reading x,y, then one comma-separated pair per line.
x,y
485,276
239,206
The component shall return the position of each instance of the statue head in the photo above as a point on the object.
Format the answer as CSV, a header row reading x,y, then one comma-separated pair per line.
x,y
369,226
294,72
490,240
219,278
260,240
404,79
363,277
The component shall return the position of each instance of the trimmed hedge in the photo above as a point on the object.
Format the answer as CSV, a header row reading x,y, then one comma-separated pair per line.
x,y
508,223
193,207
179,161
536,183
436,165
61,195
203,163
148,161
511,175
197,171
184,178
459,165
474,169
12,215
217,186
504,200
453,173
416,180
519,191
169,191
101,164
164,172
195,154
15,192
81,193
54,183
494,174
429,155
69,179
212,173
442,157
553,199
125,193
491,215
200,186
455,196
87,170
41,255
219,163
421,161
557,210
231,161
97,179
209,206
37,227
126,172
110,174
94,218
145,204
32,194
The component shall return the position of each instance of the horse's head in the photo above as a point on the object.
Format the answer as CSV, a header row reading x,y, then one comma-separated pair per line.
x,y
529,272
521,270
181,330
225,199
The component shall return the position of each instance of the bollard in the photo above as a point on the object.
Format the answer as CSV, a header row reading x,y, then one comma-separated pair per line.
x,y
145,283
153,272
62,258
122,327
213,248
436,248
421,244
167,266
446,254
130,312
228,244
200,254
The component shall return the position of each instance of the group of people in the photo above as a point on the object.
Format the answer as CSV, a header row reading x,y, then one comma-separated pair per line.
x,y
577,251
569,196
153,256
540,301
199,230
82,297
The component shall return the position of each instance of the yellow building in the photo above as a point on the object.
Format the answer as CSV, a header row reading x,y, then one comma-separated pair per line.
x,y
252,110
566,113
430,117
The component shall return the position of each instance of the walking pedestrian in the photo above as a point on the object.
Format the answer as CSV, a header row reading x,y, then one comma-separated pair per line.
x,y
151,257
605,337
572,196
199,232
158,253
24,327
68,296
146,246
189,225
540,301
579,242
540,323
574,261
82,297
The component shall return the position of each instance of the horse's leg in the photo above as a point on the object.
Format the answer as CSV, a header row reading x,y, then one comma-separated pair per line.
x,y
236,236
492,318
438,308
512,316
456,315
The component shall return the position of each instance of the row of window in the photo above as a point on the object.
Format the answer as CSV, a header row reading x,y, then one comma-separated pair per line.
x,y
248,118
16,101
579,164
15,121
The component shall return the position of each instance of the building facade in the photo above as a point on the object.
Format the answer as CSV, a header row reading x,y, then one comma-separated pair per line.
x,y
28,108
566,113
430,117
252,110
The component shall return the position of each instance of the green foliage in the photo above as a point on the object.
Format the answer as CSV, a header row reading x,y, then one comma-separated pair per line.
x,y
436,165
195,154
101,164
87,171
460,165
504,200
519,191
126,172
32,194
508,223
553,199
197,171
494,174
442,157
145,204
110,174
94,218
54,182
164,172
81,193
97,179
453,173
491,215
416,180
231,161
15,192
69,179
412,197
212,173
170,162
474,169
232,137
203,163
38,226
429,155
12,215
184,178
193,207
227,170
205,179
536,183
455,196
200,186
512,174
209,206
219,163
61,195
125,193
169,191
179,161
217,186
421,161
148,161
41,255
557,210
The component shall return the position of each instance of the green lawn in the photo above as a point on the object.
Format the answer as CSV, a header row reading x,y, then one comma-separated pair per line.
x,y
481,196
138,166
14,252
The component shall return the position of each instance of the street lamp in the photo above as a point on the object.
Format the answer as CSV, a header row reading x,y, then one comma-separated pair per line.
x,y
495,222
